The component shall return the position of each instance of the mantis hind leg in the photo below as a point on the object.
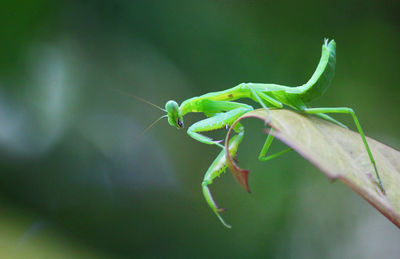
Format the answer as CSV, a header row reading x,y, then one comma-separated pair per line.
x,y
263,98
329,118
345,110
216,169
267,144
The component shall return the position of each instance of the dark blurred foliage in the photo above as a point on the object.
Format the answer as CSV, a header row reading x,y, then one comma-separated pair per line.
x,y
77,181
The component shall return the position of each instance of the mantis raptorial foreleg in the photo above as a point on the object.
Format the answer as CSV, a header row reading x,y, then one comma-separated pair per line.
x,y
216,169
225,113
218,121
345,110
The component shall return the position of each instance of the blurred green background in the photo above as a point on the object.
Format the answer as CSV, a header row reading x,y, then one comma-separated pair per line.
x,y
75,180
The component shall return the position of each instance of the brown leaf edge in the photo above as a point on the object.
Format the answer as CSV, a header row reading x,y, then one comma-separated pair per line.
x,y
240,175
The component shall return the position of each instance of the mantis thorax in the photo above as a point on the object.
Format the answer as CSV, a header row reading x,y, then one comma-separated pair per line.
x,y
175,117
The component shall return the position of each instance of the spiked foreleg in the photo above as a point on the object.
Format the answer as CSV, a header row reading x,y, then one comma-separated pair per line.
x,y
215,170
221,120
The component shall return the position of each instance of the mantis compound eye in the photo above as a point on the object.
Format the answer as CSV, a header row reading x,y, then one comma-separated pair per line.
x,y
180,124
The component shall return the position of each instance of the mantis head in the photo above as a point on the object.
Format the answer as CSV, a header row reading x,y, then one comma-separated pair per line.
x,y
175,117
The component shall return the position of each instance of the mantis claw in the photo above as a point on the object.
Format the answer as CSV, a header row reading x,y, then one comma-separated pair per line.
x,y
214,206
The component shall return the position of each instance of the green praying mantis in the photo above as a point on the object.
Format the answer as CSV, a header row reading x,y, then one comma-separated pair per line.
x,y
221,112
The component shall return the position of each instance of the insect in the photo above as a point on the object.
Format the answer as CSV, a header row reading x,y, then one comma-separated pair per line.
x,y
222,112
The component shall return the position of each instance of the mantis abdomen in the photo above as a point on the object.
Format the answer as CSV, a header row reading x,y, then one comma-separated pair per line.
x,y
323,75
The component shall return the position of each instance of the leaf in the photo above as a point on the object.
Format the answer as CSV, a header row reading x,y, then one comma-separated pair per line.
x,y
339,153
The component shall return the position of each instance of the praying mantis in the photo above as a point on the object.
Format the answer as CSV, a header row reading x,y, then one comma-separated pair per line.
x,y
221,112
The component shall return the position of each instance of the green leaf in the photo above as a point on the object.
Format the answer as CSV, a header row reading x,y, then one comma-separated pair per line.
x,y
339,153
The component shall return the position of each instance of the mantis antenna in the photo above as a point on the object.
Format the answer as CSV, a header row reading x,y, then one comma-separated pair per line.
x,y
138,98
151,126
145,101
